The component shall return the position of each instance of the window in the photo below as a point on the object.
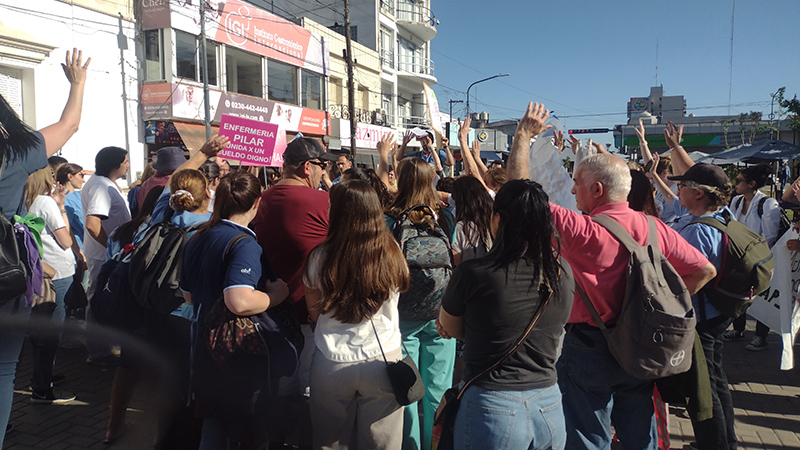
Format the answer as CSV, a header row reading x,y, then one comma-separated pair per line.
x,y
186,56
243,72
312,90
281,82
406,56
336,94
363,98
153,55
212,50
387,47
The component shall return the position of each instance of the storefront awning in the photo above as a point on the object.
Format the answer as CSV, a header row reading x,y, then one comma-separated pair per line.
x,y
193,135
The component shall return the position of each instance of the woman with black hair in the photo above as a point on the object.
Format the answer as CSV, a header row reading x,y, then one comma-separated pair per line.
x,y
370,176
235,399
489,303
761,214
473,219
23,151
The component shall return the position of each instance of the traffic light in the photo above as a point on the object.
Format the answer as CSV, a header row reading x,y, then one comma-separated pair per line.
x,y
589,130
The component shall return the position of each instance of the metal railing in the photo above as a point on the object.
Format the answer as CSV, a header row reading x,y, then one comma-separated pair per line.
x,y
413,121
415,13
422,66
387,6
387,58
342,112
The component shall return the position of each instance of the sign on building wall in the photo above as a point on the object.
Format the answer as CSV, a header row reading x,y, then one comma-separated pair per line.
x,y
244,26
640,104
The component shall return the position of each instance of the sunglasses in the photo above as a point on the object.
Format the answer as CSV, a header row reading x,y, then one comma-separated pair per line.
x,y
318,163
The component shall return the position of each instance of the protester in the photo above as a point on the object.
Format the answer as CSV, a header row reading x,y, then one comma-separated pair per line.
x,y
45,199
489,302
597,391
426,141
641,196
224,167
352,284
71,177
235,400
344,163
663,169
133,189
22,152
761,214
55,162
168,159
210,170
292,219
473,216
704,190
104,209
433,355
369,176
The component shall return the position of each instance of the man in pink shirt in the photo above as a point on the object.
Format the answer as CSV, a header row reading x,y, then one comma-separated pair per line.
x,y
596,390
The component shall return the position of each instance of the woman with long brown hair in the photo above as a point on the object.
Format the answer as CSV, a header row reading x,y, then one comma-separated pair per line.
x,y
419,307
236,399
352,283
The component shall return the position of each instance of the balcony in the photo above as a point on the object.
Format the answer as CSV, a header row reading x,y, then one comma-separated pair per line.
x,y
387,58
417,19
413,121
415,66
342,112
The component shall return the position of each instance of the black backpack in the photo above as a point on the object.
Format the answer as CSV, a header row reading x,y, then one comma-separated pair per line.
x,y
747,266
784,223
654,332
155,266
13,279
430,263
112,303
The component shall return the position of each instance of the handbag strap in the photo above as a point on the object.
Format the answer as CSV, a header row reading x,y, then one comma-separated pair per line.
x,y
379,342
513,348
226,257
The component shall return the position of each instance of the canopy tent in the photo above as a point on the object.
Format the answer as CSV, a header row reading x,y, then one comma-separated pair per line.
x,y
490,156
766,151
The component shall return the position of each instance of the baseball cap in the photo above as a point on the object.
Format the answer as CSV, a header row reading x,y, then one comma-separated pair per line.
x,y
419,132
707,174
304,149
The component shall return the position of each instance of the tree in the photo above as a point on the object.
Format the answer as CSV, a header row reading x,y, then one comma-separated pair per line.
x,y
793,108
726,125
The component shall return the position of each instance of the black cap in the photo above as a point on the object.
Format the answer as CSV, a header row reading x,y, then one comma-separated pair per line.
x,y
304,149
707,174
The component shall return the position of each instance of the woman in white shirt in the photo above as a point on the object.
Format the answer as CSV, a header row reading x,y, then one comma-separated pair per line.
x,y
43,200
761,214
352,283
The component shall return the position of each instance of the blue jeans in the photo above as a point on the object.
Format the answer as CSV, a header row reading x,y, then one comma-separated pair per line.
x,y
517,420
716,432
597,392
44,348
435,357
10,347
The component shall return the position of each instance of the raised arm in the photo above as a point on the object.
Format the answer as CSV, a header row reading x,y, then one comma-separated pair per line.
x,y
476,156
466,155
680,159
646,155
406,139
662,187
385,146
449,161
57,134
531,124
209,150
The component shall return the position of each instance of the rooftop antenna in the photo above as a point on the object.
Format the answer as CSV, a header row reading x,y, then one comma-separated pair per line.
x,y
656,62
730,64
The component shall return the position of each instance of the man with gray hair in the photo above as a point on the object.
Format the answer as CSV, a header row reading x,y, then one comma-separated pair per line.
x,y
596,390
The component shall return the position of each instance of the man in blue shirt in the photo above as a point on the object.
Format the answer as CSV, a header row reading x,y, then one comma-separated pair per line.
x,y
426,141
704,190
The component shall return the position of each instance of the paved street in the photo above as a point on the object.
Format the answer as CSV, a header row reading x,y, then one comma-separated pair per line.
x,y
767,402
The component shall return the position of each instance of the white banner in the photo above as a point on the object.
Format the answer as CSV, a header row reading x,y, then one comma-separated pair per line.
x,y
778,308
547,169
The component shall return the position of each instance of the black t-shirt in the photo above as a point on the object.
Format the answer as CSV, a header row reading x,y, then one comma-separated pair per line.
x,y
497,306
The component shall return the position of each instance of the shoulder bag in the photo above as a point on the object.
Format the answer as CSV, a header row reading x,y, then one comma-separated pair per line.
x,y
445,419
405,377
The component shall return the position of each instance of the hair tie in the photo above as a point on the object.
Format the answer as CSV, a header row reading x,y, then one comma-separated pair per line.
x,y
176,194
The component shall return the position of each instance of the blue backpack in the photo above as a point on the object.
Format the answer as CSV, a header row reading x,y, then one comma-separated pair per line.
x,y
430,262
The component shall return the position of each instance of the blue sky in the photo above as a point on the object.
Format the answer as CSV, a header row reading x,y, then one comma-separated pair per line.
x,y
585,58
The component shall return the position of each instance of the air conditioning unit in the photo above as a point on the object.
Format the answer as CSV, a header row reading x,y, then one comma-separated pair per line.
x,y
379,116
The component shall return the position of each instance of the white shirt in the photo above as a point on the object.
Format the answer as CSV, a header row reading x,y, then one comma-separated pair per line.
x,y
347,342
62,259
102,197
765,225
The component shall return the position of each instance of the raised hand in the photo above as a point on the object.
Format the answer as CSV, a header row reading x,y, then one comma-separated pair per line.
x,y
533,122
214,145
673,135
574,144
463,130
386,144
558,140
599,147
640,132
407,138
73,69
652,172
59,194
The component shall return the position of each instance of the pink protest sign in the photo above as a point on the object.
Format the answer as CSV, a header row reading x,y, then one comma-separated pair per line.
x,y
252,142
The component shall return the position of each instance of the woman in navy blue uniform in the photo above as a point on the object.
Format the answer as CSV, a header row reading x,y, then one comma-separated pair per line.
x,y
236,399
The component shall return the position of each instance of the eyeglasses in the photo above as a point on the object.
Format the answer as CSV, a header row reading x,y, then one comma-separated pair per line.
x,y
740,180
322,164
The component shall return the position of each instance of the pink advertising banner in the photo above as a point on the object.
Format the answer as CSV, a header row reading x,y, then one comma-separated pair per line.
x,y
252,142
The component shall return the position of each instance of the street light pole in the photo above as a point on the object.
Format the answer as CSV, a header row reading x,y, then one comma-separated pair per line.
x,y
481,81
451,107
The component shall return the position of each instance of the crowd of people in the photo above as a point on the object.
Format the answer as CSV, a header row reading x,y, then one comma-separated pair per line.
x,y
366,292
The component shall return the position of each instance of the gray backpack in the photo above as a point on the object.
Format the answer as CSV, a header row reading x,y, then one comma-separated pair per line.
x,y
654,333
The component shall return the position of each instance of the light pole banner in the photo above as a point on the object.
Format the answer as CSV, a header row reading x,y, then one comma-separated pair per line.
x,y
433,109
252,142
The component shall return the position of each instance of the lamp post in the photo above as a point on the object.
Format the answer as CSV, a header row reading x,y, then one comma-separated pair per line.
x,y
481,81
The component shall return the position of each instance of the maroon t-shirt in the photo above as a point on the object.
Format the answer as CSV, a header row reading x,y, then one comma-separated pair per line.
x,y
291,220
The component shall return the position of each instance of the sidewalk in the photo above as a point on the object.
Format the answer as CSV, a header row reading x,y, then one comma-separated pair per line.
x,y
766,400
